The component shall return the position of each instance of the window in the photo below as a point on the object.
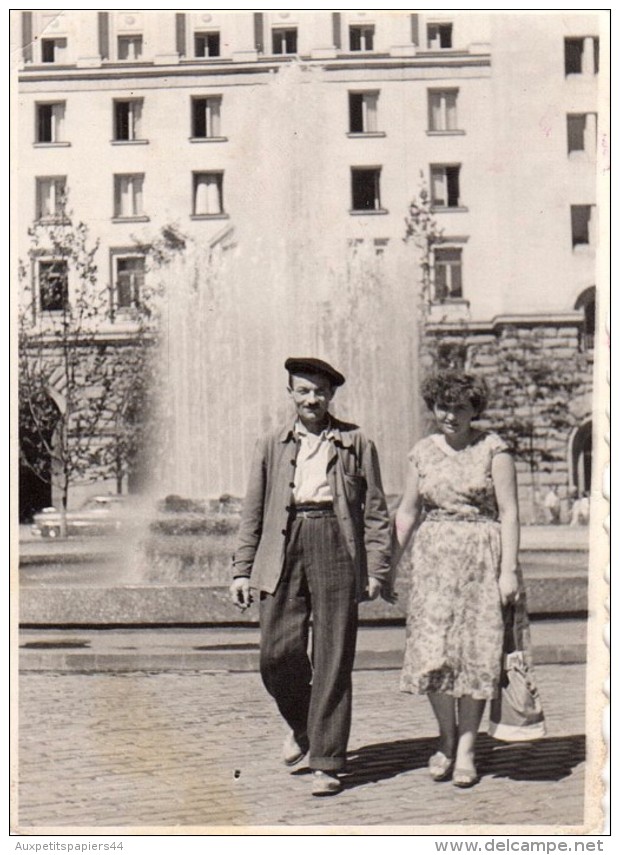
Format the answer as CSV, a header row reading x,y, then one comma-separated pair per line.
x,y
439,36
128,281
361,38
380,245
127,120
50,197
363,112
576,129
129,47
208,194
581,55
589,324
448,274
582,225
53,285
50,122
445,186
206,45
206,117
53,50
284,40
587,303
581,133
451,356
365,189
128,195
442,110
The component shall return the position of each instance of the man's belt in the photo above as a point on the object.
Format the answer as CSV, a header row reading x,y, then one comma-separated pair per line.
x,y
313,509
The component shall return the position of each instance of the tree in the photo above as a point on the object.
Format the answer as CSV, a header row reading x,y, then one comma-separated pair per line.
x,y
533,397
83,375
422,230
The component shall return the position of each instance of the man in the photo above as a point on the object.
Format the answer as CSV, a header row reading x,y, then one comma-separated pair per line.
x,y
314,539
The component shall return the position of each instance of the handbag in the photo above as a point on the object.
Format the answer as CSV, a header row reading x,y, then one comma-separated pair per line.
x,y
517,714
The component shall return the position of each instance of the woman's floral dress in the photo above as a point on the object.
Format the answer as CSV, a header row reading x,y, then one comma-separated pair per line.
x,y
454,622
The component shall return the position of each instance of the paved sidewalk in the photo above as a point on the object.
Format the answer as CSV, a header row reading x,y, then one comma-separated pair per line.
x,y
201,750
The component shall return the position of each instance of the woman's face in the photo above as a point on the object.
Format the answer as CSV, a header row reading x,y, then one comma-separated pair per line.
x,y
454,420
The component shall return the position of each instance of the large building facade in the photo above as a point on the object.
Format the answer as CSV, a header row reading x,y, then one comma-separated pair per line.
x,y
210,120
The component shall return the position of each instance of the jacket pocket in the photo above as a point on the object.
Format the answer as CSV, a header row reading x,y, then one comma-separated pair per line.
x,y
354,486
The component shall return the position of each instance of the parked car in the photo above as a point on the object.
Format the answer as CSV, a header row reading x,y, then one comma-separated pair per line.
x,y
98,515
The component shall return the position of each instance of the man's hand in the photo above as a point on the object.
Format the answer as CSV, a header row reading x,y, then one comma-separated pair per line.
x,y
373,589
240,592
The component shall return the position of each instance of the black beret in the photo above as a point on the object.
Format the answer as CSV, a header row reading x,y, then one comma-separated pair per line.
x,y
309,365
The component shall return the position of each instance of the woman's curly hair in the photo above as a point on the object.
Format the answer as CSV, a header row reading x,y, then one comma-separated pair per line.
x,y
454,387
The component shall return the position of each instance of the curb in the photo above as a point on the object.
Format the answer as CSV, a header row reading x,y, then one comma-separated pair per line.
x,y
84,662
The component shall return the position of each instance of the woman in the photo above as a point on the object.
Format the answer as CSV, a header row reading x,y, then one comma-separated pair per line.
x,y
461,500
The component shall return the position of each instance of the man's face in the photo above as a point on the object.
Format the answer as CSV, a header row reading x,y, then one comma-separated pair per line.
x,y
311,394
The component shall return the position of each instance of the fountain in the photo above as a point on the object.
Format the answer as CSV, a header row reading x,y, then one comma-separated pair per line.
x,y
275,282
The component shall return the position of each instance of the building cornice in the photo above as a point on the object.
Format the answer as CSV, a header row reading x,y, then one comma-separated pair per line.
x,y
121,71
96,339
517,320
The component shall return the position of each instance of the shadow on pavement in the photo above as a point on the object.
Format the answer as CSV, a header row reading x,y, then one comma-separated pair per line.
x,y
548,759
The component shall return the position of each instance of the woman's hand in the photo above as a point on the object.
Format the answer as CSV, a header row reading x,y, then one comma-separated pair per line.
x,y
508,583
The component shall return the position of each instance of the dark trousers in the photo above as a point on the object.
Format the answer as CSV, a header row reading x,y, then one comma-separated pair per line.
x,y
313,694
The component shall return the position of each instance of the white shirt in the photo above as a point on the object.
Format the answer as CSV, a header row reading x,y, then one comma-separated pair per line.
x,y
310,483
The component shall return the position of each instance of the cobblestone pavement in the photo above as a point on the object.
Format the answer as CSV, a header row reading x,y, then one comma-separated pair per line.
x,y
202,750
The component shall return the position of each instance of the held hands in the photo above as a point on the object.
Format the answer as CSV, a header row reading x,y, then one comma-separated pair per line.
x,y
508,587
240,593
373,588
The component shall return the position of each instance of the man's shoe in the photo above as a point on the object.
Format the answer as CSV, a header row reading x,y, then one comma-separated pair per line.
x,y
294,749
325,784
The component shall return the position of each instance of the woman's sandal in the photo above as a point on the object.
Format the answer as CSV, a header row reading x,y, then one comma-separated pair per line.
x,y
465,778
440,766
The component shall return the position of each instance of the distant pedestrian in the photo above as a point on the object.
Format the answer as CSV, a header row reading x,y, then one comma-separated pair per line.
x,y
314,540
552,506
460,505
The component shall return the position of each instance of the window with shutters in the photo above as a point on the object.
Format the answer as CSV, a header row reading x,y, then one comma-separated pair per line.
x,y
50,197
284,40
208,194
581,55
128,196
49,122
206,45
128,273
128,120
52,282
582,226
439,36
54,50
129,48
448,274
442,117
206,118
363,112
581,135
445,186
366,189
361,38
